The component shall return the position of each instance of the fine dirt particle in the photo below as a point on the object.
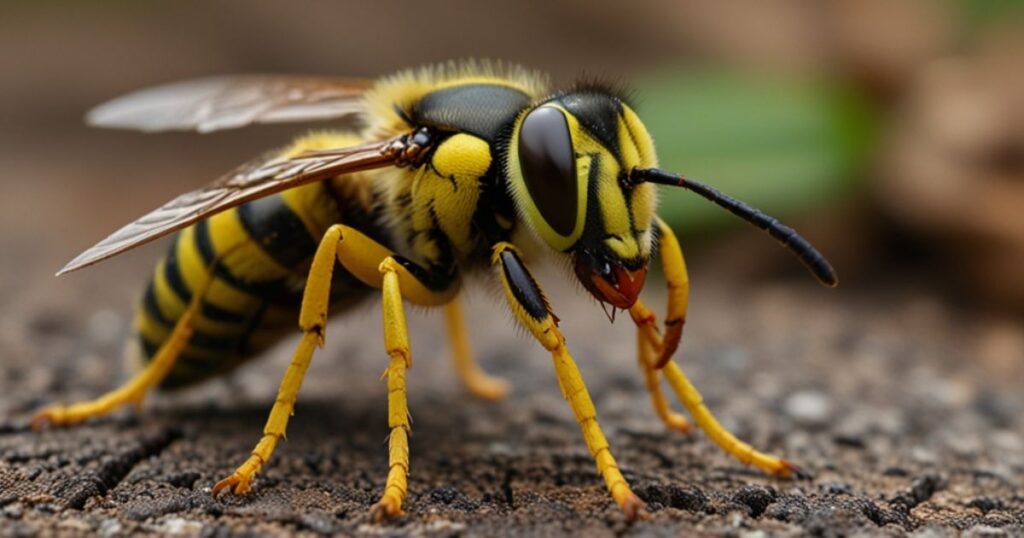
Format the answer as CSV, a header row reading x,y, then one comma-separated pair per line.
x,y
889,459
756,498
674,496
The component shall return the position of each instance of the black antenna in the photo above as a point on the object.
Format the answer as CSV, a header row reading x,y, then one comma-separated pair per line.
x,y
803,250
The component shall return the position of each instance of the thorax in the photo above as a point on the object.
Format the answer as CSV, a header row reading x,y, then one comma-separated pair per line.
x,y
449,209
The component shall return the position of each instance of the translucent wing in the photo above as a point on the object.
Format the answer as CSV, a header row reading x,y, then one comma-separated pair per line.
x,y
256,179
228,102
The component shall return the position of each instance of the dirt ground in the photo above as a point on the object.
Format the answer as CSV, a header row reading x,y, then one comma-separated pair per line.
x,y
906,410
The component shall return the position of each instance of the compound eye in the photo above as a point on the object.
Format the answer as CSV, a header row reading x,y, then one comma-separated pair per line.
x,y
549,167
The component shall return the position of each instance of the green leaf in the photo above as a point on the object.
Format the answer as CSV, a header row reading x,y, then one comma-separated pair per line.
x,y
785,146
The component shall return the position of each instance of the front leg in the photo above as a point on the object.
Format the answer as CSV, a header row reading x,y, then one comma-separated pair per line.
x,y
673,264
647,344
678,291
531,309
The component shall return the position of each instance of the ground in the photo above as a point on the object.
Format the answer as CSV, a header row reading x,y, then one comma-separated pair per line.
x,y
901,406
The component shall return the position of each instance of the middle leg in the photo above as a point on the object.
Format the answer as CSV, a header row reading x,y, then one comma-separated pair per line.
x,y
398,279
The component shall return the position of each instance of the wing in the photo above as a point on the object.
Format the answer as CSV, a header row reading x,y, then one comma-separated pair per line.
x,y
228,102
256,179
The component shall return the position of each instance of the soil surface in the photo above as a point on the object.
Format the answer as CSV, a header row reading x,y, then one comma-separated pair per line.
x,y
906,410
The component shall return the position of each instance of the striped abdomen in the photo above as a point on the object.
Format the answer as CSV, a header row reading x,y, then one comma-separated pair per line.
x,y
259,253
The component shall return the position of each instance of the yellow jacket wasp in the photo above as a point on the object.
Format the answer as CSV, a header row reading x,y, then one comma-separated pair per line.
x,y
453,168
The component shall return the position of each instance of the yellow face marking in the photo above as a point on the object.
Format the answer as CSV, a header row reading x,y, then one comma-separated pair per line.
x,y
635,150
638,151
619,237
639,137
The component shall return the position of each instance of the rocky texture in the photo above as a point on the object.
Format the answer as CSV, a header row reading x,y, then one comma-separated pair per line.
x,y
888,399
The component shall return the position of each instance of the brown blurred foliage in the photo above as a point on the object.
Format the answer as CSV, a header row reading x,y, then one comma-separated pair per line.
x,y
954,168
946,167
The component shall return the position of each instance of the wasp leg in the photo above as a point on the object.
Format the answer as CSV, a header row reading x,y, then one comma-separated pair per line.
x,y
134,391
378,267
646,352
475,380
357,253
728,442
396,342
678,282
694,403
529,306
312,320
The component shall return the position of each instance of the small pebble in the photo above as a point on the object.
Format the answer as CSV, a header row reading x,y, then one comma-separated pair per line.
x,y
984,531
986,504
110,528
808,407
13,511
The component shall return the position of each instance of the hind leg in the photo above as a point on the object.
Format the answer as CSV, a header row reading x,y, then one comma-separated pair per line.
x,y
134,391
476,381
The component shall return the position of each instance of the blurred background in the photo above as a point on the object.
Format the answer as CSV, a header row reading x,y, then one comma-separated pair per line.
x,y
891,133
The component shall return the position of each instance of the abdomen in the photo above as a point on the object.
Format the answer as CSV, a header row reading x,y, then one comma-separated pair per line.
x,y
258,254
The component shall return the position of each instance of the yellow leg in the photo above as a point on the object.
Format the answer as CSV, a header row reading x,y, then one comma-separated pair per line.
x,y
694,403
312,320
357,253
134,391
647,356
728,442
396,342
678,282
531,309
476,380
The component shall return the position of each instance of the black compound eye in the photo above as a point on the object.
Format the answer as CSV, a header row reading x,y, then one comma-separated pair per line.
x,y
549,167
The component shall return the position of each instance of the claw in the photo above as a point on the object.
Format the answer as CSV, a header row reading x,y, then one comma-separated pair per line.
x,y
54,416
678,422
794,471
39,420
634,507
138,402
385,510
237,483
490,389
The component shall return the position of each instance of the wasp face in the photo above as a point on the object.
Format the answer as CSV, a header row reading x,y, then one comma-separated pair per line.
x,y
569,160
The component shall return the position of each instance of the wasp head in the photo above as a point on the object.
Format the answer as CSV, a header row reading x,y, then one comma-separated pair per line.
x,y
569,167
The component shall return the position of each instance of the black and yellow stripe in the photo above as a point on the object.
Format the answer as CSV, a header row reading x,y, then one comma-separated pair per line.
x,y
259,253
